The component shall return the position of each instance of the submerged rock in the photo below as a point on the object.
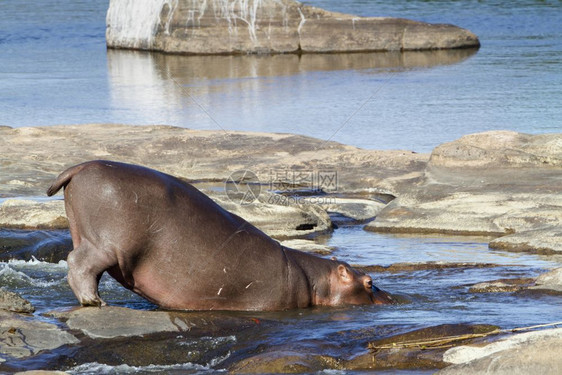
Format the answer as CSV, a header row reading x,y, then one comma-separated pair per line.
x,y
284,362
548,282
22,337
44,245
41,372
502,286
391,353
525,353
267,26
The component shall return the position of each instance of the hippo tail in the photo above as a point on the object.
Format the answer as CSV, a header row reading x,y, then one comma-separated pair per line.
x,y
64,178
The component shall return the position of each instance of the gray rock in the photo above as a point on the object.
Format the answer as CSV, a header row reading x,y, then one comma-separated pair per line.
x,y
11,301
525,353
502,286
308,246
22,337
541,241
267,26
279,218
283,362
495,183
204,157
114,322
551,280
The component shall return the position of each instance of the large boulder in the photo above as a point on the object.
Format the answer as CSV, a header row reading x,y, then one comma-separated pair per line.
x,y
266,26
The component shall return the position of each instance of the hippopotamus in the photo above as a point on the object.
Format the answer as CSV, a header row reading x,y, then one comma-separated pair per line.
x,y
167,241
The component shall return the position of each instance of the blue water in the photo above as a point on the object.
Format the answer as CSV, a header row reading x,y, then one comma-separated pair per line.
x,y
54,69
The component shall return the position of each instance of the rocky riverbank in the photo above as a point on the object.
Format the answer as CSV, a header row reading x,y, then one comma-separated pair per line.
x,y
503,184
268,26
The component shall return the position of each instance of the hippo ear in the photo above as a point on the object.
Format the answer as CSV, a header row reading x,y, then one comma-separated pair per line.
x,y
344,274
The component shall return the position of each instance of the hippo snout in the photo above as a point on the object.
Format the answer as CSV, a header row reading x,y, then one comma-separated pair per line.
x,y
380,297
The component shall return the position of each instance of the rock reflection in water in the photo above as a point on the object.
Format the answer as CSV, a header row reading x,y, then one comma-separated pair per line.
x,y
243,92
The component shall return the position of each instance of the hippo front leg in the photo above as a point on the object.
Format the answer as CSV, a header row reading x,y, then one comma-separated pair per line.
x,y
86,264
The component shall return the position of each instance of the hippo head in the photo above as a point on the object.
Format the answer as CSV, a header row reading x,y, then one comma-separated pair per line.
x,y
351,287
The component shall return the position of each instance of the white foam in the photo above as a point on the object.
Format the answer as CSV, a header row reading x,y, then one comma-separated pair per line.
x,y
100,368
34,262
9,272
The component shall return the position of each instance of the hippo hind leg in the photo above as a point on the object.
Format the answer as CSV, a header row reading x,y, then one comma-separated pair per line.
x,y
86,265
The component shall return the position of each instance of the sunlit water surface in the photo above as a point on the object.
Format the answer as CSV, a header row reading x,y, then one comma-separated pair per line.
x,y
54,69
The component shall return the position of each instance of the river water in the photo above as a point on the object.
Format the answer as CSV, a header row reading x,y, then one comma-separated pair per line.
x,y
54,69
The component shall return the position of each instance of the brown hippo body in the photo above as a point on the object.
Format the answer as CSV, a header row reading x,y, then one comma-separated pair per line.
x,y
165,240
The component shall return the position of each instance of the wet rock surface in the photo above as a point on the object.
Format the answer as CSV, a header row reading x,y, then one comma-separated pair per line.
x,y
525,353
112,321
268,26
21,336
392,353
284,362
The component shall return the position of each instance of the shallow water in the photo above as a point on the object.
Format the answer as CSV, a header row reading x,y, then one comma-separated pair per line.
x,y
427,297
54,70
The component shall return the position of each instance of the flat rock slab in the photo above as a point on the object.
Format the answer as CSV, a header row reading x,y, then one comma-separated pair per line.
x,y
112,322
525,353
539,241
21,336
267,26
30,164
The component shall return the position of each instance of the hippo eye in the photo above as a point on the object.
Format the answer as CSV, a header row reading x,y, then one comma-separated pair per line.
x,y
369,283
